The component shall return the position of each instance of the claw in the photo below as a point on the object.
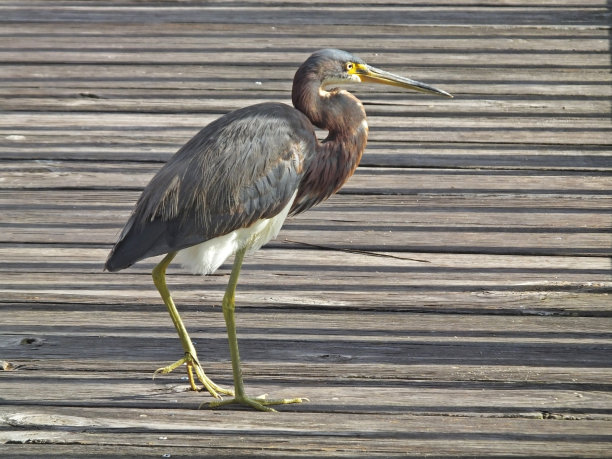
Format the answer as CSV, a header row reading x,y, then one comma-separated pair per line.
x,y
260,403
191,381
192,364
169,368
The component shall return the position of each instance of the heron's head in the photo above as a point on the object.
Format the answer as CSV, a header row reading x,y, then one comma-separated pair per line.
x,y
334,66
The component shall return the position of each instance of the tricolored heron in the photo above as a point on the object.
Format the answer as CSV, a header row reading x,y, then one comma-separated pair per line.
x,y
229,189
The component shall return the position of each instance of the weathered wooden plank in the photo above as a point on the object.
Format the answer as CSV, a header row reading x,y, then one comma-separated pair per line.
x,y
232,76
552,296
573,401
482,156
139,322
379,102
506,218
74,174
370,330
391,40
344,448
340,29
72,445
314,360
269,13
392,284
257,36
66,260
384,40
529,129
195,55
475,236
206,102
391,118
334,372
549,221
326,279
588,381
212,433
415,397
377,154
553,137
451,58
120,202
204,52
523,213
566,299
344,212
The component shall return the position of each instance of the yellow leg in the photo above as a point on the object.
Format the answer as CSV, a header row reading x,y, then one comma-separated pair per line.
x,y
190,359
259,403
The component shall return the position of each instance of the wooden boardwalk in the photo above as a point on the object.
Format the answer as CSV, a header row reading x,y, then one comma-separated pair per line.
x,y
454,300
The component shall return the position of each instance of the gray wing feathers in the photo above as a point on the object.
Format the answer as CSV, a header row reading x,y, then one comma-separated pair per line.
x,y
243,167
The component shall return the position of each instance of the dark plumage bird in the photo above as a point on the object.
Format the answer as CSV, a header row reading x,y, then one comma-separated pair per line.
x,y
229,189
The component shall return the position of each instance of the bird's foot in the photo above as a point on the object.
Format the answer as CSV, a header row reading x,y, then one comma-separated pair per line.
x,y
192,364
260,403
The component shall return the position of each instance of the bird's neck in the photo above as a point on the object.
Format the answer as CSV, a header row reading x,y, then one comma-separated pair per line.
x,y
343,116
336,111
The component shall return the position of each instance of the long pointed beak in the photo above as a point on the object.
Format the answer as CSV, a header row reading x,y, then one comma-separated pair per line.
x,y
369,74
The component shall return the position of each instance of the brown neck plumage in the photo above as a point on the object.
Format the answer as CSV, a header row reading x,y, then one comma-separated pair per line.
x,y
337,157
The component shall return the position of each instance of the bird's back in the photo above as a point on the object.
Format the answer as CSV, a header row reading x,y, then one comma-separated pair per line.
x,y
242,168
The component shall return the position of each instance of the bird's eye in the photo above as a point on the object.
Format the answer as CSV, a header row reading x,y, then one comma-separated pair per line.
x,y
350,66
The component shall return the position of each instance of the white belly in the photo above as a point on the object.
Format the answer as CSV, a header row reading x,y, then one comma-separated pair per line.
x,y
205,258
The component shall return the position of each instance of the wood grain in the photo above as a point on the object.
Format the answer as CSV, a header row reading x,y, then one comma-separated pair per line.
x,y
453,300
